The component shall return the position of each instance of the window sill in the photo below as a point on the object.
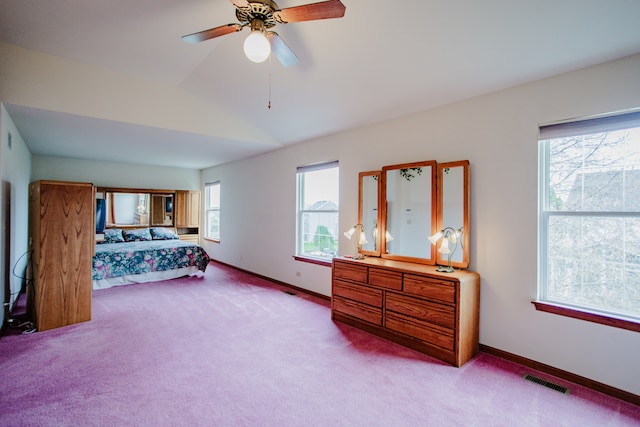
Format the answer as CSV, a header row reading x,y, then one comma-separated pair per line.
x,y
208,239
602,319
312,260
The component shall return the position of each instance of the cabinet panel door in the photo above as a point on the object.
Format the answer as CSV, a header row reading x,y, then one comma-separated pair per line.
x,y
193,209
66,232
187,209
181,212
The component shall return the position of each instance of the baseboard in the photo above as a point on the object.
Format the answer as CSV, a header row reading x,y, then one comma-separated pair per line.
x,y
559,373
277,282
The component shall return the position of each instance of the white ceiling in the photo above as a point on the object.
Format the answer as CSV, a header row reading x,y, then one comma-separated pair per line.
x,y
382,60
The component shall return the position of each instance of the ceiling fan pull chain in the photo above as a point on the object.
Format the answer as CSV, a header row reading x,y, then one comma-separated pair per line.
x,y
269,104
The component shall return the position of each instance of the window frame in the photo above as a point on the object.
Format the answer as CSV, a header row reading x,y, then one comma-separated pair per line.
x,y
545,212
209,209
301,211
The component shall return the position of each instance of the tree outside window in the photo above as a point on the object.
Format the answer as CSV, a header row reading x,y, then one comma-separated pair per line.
x,y
590,218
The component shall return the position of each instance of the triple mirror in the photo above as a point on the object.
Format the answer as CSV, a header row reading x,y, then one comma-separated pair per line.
x,y
403,205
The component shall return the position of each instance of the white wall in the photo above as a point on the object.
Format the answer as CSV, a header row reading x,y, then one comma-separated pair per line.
x,y
111,174
497,133
15,169
48,82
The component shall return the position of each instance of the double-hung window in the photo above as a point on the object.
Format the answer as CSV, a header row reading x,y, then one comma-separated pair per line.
x,y
212,211
589,220
317,211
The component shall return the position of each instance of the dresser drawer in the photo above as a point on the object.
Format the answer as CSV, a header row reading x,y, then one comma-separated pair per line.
x,y
427,332
385,278
438,314
358,310
195,238
357,293
350,271
435,289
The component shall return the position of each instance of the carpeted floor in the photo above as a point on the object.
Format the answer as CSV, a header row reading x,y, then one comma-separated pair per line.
x,y
230,349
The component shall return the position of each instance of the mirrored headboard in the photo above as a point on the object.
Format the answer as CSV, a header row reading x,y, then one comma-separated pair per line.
x,y
127,207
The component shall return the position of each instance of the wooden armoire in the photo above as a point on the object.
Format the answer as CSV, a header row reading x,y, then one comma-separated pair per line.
x,y
62,241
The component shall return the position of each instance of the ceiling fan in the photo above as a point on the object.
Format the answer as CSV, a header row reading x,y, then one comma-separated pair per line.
x,y
260,15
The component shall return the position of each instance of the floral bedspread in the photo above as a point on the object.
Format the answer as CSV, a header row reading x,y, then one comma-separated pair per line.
x,y
118,259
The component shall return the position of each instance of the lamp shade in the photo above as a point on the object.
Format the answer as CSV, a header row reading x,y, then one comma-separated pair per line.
x,y
434,239
350,232
256,47
363,239
444,246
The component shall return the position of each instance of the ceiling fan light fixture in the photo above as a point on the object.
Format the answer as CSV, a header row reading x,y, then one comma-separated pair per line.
x,y
262,15
256,46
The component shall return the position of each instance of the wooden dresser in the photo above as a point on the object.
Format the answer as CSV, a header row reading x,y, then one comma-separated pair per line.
x,y
61,237
411,304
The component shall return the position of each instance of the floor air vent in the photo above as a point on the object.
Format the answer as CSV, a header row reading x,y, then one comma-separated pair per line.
x,y
547,384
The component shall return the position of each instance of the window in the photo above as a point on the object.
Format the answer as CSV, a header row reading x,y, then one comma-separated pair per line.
x,y
589,230
212,211
317,211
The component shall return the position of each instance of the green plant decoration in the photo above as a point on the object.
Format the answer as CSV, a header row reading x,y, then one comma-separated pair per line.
x,y
410,173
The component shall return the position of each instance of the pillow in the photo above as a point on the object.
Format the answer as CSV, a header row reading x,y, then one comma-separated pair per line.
x,y
163,233
113,235
136,235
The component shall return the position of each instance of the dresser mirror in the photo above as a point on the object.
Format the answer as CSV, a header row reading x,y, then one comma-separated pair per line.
x,y
409,211
369,214
453,209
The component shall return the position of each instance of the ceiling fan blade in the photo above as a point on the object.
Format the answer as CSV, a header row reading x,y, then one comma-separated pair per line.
x,y
240,3
280,49
311,12
212,33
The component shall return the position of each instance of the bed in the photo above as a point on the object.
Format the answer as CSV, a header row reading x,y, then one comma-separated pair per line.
x,y
145,255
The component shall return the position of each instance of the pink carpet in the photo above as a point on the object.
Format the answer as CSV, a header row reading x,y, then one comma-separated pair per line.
x,y
230,349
